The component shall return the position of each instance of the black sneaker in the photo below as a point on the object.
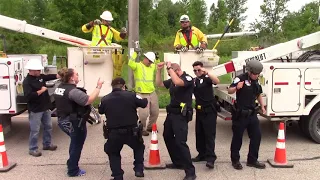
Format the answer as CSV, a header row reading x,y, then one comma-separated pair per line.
x,y
210,164
188,177
257,164
173,166
139,174
237,165
198,159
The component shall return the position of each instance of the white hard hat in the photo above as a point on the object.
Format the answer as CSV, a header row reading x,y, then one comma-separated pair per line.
x,y
106,15
150,55
184,18
34,64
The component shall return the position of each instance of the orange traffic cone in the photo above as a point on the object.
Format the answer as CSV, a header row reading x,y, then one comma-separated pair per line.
x,y
4,163
280,157
154,156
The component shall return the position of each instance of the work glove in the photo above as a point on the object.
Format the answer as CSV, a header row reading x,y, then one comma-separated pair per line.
x,y
184,49
123,30
97,22
199,50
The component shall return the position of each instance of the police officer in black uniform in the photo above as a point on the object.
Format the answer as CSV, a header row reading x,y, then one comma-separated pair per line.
x,y
206,114
120,109
73,109
244,114
179,113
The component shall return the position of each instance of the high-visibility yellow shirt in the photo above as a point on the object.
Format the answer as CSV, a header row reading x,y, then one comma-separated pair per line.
x,y
196,37
96,35
143,75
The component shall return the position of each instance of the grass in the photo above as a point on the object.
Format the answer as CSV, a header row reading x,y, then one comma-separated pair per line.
x,y
163,94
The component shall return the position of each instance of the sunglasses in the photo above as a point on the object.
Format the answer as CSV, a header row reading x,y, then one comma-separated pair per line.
x,y
195,70
184,22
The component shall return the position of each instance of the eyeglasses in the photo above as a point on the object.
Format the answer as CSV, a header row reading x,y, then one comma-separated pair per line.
x,y
197,70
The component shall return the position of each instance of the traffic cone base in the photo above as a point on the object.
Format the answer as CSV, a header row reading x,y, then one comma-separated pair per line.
x,y
5,165
280,156
8,167
279,165
154,155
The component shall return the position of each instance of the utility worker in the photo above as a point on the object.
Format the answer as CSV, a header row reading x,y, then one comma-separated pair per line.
x,y
39,105
73,110
120,109
206,114
179,113
144,73
189,37
102,32
244,114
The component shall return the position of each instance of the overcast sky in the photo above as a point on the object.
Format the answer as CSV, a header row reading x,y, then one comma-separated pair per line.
x,y
254,7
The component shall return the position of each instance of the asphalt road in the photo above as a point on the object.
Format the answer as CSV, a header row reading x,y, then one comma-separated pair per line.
x,y
301,152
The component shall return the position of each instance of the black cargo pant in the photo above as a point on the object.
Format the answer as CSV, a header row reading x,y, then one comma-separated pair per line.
x,y
116,139
175,136
206,134
239,125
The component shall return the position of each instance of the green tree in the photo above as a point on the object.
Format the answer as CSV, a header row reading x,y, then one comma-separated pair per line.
x,y
236,10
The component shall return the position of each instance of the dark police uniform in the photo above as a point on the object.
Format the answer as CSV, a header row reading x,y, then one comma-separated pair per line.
x,y
120,109
72,115
206,119
179,113
244,116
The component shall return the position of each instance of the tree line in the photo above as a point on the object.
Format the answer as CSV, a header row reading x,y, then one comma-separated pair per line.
x,y
158,22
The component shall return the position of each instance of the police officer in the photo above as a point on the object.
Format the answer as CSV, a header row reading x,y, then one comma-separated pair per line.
x,y
206,114
244,114
120,109
73,109
179,113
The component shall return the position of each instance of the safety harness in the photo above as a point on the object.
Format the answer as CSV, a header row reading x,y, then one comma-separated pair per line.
x,y
103,37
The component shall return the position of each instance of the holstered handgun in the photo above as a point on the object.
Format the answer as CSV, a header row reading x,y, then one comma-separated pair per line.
x,y
105,131
137,131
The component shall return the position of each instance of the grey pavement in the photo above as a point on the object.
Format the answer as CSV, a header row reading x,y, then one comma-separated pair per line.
x,y
302,152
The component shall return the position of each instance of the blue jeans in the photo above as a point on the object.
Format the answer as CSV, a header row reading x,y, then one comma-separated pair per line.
x,y
78,136
35,120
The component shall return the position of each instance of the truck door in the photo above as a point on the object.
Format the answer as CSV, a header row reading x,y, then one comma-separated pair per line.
x,y
5,89
312,79
285,90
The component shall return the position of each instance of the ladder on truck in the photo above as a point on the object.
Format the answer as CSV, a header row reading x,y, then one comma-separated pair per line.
x,y
264,56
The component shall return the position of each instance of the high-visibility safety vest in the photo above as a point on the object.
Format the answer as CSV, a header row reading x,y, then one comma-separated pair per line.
x,y
101,36
143,76
184,41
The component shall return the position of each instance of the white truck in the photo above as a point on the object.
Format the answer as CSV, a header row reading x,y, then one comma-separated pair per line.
x,y
290,81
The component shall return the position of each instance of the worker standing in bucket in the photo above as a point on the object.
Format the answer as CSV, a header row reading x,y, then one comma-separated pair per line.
x,y
102,32
144,73
189,37
244,114
206,114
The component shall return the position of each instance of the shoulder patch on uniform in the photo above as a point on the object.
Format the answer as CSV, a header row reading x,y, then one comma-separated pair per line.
x,y
139,97
188,78
236,80
206,76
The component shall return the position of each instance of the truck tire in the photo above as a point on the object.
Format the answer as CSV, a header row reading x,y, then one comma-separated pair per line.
x,y
303,125
313,126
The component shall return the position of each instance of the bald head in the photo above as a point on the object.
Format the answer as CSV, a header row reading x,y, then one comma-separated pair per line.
x,y
175,66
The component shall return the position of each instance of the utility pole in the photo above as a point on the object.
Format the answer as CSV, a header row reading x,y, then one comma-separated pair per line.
x,y
133,39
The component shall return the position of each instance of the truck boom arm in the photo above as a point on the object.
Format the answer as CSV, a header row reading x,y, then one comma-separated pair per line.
x,y
269,53
23,27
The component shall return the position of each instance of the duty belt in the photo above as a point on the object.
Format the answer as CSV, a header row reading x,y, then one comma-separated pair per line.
x,y
174,110
205,108
245,112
